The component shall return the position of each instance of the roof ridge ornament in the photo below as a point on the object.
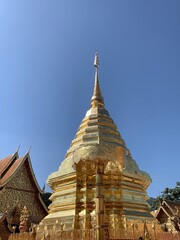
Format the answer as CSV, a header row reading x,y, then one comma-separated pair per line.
x,y
97,99
17,150
28,152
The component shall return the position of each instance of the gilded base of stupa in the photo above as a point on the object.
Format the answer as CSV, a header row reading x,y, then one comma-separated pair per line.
x,y
98,186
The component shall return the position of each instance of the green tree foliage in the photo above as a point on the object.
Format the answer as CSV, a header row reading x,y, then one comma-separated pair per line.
x,y
45,197
169,194
155,202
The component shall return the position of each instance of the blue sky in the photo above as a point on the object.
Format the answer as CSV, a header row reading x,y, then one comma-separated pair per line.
x,y
46,74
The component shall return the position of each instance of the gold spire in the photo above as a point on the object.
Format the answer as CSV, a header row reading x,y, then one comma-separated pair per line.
x,y
97,99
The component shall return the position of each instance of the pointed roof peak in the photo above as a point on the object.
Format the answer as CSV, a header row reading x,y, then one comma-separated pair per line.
x,y
97,99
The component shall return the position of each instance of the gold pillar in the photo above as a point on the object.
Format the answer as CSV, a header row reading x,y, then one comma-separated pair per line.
x,y
99,202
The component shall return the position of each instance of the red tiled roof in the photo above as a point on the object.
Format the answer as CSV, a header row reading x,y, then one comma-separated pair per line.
x,y
9,171
5,162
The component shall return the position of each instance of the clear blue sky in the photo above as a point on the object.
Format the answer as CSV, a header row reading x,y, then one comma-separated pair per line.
x,y
46,78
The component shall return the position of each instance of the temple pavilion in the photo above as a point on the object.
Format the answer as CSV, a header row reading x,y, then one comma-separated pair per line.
x,y
18,188
98,184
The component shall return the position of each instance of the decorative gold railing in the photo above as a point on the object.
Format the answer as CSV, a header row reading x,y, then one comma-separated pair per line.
x,y
22,236
114,234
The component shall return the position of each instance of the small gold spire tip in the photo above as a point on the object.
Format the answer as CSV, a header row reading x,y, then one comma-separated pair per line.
x,y
97,99
96,60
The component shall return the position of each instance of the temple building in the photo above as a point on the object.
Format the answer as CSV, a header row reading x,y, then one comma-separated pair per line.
x,y
18,188
98,184
168,215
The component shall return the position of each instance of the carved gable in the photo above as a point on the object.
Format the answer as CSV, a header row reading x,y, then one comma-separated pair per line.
x,y
20,189
21,180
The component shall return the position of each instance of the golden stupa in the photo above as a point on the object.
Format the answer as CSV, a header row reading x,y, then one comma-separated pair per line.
x,y
98,184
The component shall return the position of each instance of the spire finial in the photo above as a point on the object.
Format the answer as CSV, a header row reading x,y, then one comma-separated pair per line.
x,y
97,99
96,60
